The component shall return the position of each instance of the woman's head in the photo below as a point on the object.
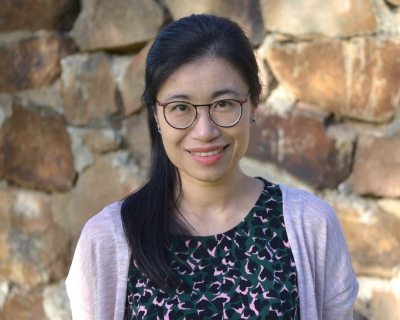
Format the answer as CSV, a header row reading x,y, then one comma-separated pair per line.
x,y
192,39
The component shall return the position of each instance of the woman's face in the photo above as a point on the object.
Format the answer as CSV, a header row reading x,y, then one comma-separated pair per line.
x,y
205,152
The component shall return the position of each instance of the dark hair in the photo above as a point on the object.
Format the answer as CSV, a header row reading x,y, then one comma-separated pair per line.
x,y
149,215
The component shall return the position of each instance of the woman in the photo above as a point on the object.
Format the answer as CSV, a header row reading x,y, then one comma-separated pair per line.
x,y
200,239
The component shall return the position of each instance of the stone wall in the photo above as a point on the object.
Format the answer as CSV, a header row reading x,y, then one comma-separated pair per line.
x,y
73,137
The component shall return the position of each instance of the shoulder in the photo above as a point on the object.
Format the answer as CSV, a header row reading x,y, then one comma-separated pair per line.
x,y
103,234
106,222
301,205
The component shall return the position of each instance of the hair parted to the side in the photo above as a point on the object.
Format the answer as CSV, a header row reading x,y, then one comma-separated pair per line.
x,y
149,215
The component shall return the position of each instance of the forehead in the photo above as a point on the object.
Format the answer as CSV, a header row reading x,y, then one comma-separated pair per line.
x,y
201,79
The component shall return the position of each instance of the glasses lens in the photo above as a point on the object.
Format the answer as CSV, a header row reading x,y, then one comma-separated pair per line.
x,y
179,114
226,112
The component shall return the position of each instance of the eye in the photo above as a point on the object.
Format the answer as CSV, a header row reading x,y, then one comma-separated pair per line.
x,y
181,107
222,104
178,107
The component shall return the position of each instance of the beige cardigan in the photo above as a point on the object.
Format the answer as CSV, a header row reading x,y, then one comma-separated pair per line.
x,y
97,280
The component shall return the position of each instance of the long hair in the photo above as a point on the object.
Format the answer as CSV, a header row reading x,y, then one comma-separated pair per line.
x,y
149,215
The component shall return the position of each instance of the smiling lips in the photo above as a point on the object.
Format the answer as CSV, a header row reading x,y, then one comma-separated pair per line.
x,y
207,154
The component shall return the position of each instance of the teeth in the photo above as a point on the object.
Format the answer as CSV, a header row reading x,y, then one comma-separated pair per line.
x,y
207,154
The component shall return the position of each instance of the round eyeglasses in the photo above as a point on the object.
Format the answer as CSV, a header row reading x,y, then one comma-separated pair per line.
x,y
224,113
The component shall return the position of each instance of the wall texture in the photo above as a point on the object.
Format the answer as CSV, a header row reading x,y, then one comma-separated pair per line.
x,y
73,136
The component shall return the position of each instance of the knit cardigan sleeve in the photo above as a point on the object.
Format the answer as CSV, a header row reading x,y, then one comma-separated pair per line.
x,y
326,280
96,283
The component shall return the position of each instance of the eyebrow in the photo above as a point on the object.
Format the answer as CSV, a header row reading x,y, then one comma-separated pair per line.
x,y
214,95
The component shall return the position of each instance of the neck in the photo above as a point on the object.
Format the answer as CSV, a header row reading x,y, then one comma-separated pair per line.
x,y
214,207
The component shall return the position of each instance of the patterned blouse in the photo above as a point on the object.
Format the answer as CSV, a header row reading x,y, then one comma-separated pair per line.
x,y
247,272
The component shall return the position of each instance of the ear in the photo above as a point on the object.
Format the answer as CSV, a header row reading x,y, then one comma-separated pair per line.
x,y
155,115
255,106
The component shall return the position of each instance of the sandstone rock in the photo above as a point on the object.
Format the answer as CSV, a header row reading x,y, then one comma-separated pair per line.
x,y
377,166
247,13
301,145
356,78
371,234
6,204
6,102
4,291
102,140
132,83
385,305
394,2
389,19
49,97
35,151
95,141
88,88
82,155
272,173
314,18
108,180
267,79
56,303
31,212
136,134
116,24
391,206
32,62
36,259
36,248
279,102
372,289
24,15
24,304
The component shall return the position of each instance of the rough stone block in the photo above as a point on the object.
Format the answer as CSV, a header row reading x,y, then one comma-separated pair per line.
x,y
301,144
32,62
388,17
112,177
136,134
385,304
36,15
6,101
23,304
132,82
87,88
6,205
355,78
49,97
371,234
98,141
314,18
377,166
245,12
35,150
391,206
116,24
56,303
36,248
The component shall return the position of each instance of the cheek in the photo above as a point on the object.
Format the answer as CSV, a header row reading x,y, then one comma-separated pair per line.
x,y
172,141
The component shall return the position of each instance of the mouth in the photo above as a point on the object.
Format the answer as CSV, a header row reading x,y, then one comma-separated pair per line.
x,y
207,154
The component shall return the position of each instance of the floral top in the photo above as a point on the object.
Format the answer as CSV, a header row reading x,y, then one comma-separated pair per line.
x,y
247,272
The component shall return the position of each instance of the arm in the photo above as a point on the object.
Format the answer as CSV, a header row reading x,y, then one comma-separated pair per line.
x,y
326,280
96,283
341,286
80,278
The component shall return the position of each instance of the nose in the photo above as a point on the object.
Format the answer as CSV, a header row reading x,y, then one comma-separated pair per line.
x,y
204,129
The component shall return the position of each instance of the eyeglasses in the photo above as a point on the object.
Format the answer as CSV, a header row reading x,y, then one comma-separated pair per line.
x,y
224,113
